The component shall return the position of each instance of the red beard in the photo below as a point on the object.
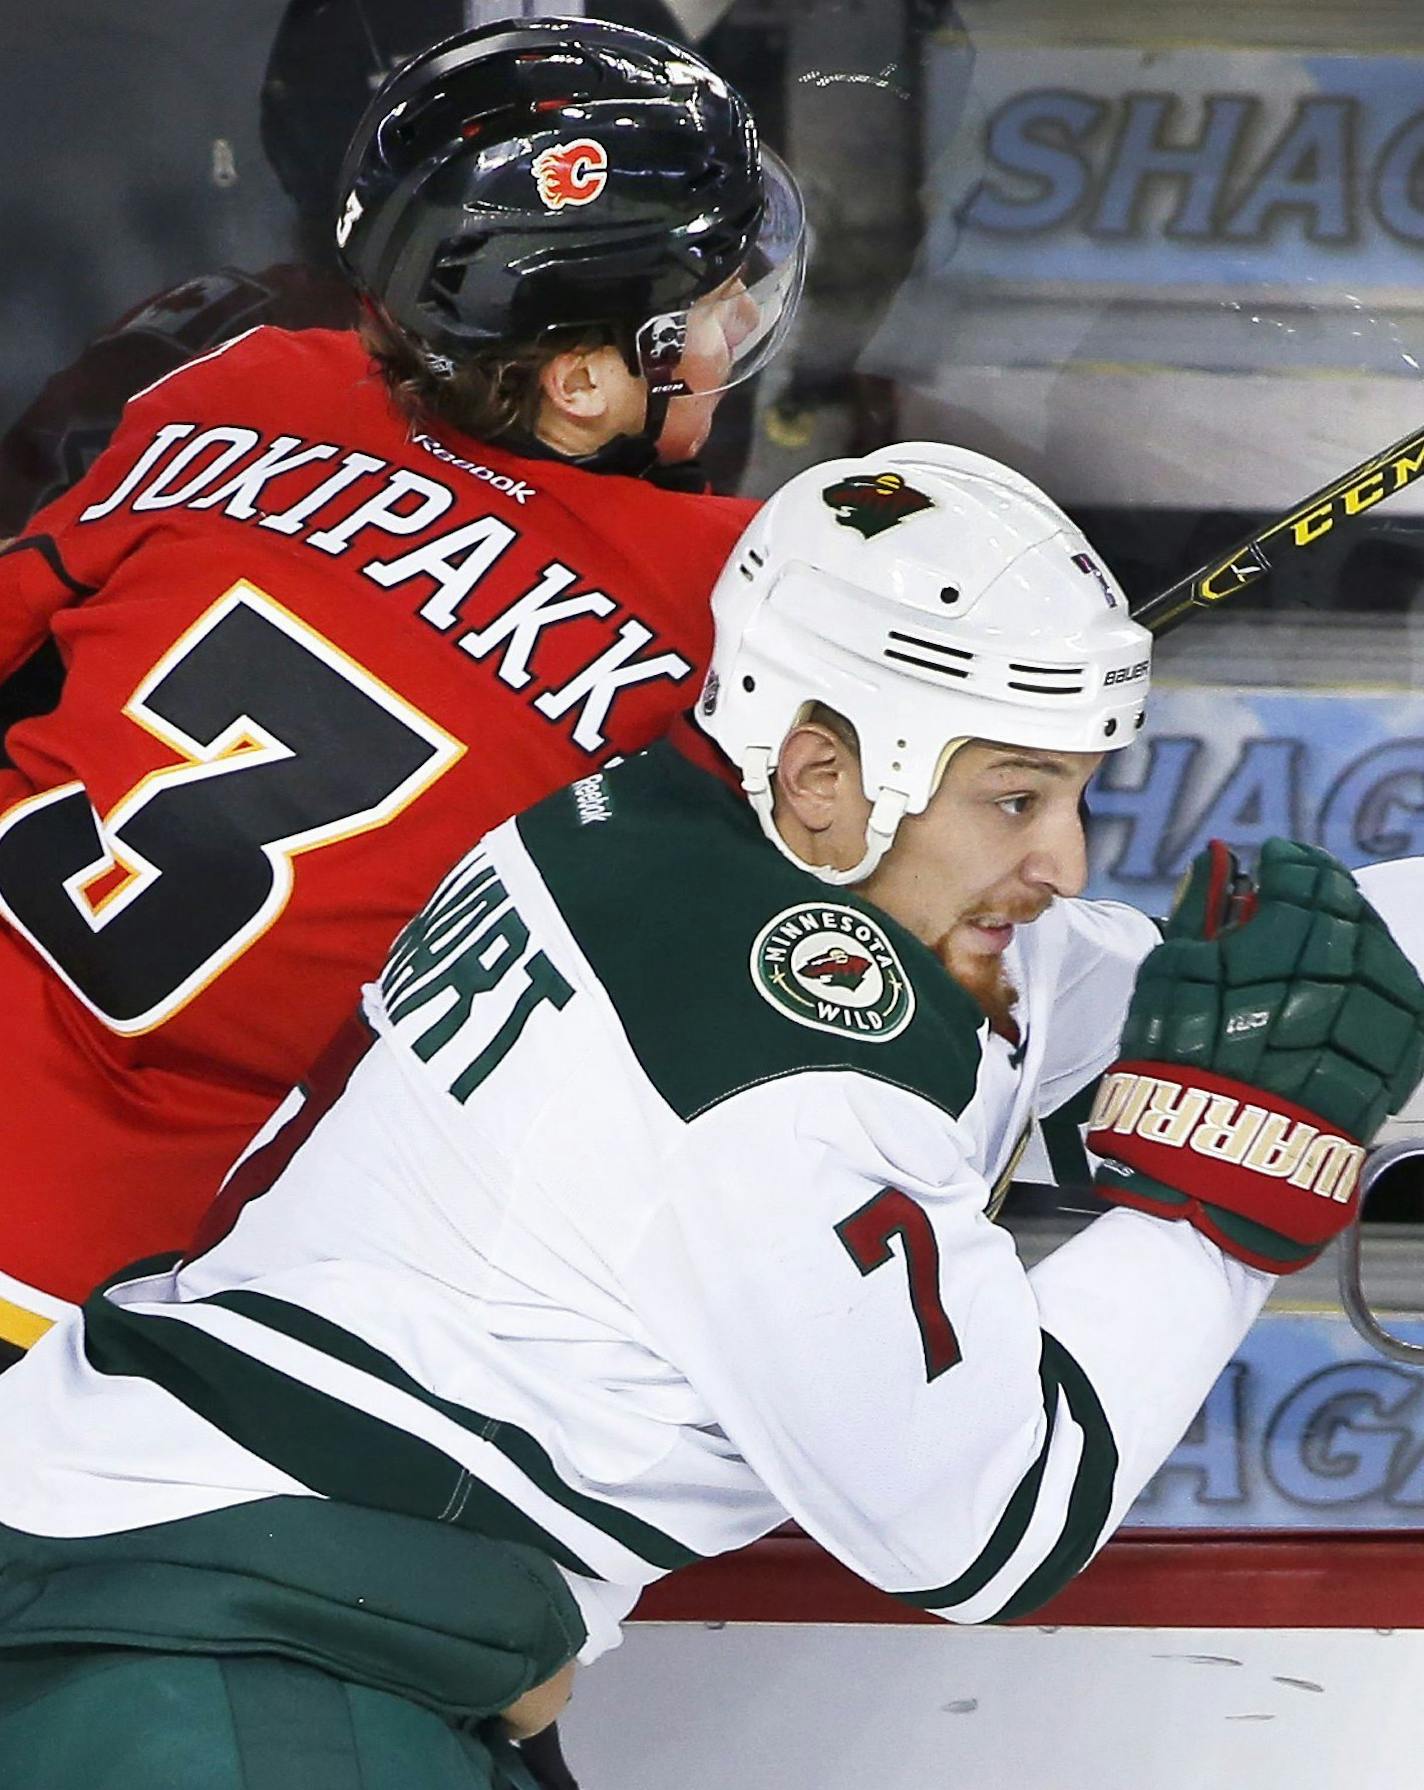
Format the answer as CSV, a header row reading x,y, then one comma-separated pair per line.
x,y
982,974
984,979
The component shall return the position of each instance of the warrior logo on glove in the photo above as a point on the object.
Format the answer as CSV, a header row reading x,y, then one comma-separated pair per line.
x,y
1217,1124
1269,1035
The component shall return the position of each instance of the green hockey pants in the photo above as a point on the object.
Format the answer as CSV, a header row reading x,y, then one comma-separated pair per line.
x,y
100,1718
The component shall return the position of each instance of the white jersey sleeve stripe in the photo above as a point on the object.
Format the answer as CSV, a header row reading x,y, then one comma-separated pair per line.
x,y
1090,1502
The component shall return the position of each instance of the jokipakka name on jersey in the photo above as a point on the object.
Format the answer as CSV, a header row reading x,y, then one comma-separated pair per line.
x,y
227,469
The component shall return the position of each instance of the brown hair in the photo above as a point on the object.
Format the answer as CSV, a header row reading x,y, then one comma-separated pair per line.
x,y
491,389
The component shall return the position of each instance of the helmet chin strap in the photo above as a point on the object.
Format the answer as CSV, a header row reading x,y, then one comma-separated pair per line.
x,y
886,813
634,454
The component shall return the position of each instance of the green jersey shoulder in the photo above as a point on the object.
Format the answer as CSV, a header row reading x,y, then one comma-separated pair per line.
x,y
726,964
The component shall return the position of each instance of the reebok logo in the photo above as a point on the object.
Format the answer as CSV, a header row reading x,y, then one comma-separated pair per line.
x,y
591,801
500,481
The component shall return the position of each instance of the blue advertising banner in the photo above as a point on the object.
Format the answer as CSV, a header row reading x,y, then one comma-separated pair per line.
x,y
1168,168
1306,1429
1342,770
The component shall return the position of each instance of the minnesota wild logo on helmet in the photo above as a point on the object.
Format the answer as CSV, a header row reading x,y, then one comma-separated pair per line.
x,y
834,969
873,502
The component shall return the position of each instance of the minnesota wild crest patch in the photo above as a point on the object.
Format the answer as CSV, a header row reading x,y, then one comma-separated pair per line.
x,y
834,969
872,502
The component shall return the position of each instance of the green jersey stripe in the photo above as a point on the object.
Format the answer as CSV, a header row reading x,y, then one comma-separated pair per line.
x,y
1011,1527
1088,1503
1091,1498
317,1440
1067,1156
517,1445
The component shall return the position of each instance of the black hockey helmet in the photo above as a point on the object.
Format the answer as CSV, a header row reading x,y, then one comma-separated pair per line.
x,y
546,172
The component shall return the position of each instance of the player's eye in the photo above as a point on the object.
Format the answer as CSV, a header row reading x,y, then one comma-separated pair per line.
x,y
1014,805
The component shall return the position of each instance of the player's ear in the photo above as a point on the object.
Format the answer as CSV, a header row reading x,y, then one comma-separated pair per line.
x,y
579,382
818,780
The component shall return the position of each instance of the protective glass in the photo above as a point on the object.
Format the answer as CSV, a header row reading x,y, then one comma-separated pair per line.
x,y
732,332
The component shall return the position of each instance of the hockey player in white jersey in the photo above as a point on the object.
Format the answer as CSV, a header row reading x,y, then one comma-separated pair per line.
x,y
647,1202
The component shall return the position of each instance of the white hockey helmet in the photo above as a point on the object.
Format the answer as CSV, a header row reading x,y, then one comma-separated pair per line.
x,y
930,596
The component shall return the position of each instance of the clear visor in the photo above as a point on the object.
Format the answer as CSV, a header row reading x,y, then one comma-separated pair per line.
x,y
732,332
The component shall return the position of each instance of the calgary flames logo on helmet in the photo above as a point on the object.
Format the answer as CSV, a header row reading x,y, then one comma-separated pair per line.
x,y
873,502
571,173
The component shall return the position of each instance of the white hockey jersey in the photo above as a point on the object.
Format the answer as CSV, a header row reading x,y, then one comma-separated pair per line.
x,y
655,1214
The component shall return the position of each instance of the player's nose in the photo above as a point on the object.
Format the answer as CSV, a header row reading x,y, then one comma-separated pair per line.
x,y
1059,863
740,318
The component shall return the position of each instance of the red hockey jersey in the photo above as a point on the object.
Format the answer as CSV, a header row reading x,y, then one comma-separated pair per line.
x,y
312,652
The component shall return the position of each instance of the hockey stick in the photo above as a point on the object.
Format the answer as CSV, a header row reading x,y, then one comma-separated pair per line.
x,y
1333,506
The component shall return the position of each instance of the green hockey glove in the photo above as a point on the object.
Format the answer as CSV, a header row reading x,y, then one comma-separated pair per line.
x,y
1215,893
1268,1037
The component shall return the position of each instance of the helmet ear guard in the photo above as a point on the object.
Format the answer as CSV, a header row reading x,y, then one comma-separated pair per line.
x,y
930,596
881,826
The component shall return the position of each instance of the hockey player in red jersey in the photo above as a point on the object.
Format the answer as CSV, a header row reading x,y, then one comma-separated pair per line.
x,y
330,603
326,60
